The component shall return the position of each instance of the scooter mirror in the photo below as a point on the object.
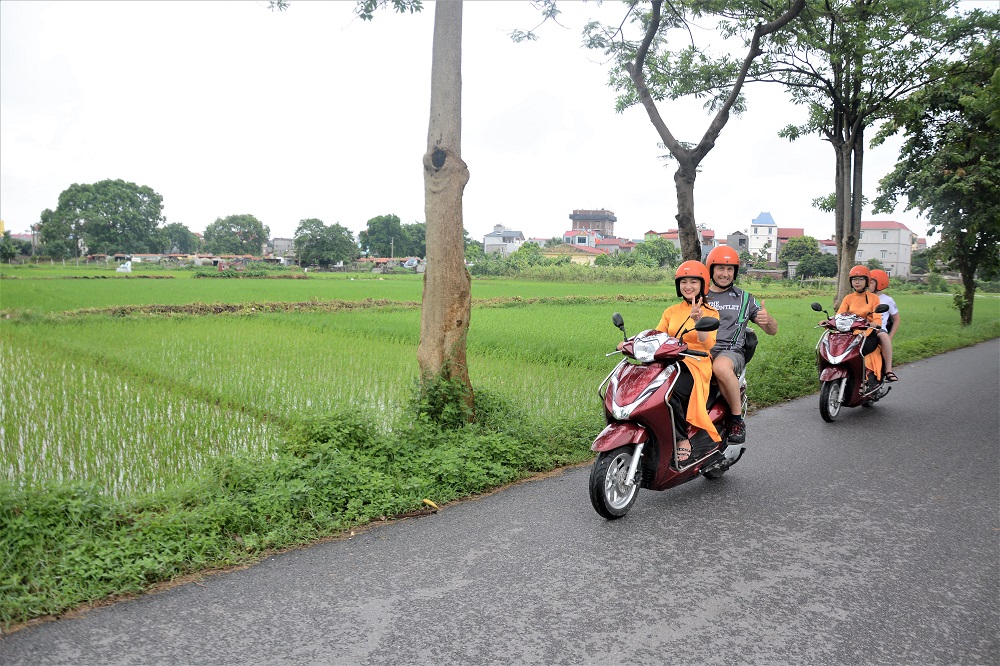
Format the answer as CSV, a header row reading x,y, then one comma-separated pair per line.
x,y
882,307
707,324
617,320
818,308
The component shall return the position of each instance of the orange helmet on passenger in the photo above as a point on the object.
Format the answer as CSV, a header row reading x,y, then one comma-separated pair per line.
x,y
692,269
881,279
723,255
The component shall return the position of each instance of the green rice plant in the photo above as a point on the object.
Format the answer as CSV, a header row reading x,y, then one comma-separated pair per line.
x,y
66,420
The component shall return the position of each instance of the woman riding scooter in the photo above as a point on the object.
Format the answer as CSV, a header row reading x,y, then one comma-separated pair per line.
x,y
860,302
691,391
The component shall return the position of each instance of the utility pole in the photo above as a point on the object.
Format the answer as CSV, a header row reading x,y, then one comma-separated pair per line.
x,y
391,246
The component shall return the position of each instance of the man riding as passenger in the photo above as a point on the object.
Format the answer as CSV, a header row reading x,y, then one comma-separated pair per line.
x,y
736,308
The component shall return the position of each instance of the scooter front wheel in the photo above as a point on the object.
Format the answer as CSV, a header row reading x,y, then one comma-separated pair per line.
x,y
829,400
610,492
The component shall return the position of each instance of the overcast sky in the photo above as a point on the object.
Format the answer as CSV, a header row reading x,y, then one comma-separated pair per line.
x,y
227,108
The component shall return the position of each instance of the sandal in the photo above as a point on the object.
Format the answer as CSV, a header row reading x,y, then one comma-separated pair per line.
x,y
684,454
891,377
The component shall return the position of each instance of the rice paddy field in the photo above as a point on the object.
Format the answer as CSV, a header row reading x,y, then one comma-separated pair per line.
x,y
138,402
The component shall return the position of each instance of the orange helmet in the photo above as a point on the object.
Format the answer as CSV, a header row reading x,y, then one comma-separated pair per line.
x,y
881,279
860,270
692,269
723,255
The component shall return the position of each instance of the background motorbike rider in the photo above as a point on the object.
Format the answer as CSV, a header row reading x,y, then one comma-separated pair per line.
x,y
690,393
735,307
862,303
878,280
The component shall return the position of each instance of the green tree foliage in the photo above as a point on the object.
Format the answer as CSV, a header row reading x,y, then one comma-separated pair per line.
x,y
851,63
386,236
109,217
646,72
659,250
8,248
920,261
58,235
316,243
414,240
874,264
949,167
380,236
236,234
474,251
797,248
179,237
817,265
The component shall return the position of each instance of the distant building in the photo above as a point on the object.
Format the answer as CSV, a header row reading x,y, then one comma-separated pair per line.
x,y
502,241
706,238
283,247
615,245
581,238
764,233
739,241
602,221
828,246
891,243
578,254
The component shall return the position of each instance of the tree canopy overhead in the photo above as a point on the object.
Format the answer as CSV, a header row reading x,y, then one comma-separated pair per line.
x,y
949,166
851,63
646,71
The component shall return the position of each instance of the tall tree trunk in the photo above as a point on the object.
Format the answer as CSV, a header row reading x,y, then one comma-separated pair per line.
x,y
687,229
967,270
447,298
850,160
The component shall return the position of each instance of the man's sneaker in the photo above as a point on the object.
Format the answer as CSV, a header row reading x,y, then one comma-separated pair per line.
x,y
738,432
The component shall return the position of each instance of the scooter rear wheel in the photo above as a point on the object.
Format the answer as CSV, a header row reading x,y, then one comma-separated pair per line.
x,y
829,400
609,494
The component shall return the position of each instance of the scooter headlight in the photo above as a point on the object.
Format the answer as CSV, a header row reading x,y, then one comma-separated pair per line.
x,y
643,348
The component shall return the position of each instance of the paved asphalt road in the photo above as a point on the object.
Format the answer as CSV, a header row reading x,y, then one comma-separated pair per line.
x,y
823,546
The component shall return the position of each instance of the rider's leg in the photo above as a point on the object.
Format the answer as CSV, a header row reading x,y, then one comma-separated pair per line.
x,y
679,399
729,384
886,343
726,367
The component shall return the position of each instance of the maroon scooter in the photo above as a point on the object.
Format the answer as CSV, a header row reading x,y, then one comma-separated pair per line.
x,y
844,380
637,448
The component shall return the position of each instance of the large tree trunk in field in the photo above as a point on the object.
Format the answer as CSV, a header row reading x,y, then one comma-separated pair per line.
x,y
687,229
848,210
447,299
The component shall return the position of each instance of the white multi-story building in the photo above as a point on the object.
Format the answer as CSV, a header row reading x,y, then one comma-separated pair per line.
x,y
503,241
764,234
891,243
